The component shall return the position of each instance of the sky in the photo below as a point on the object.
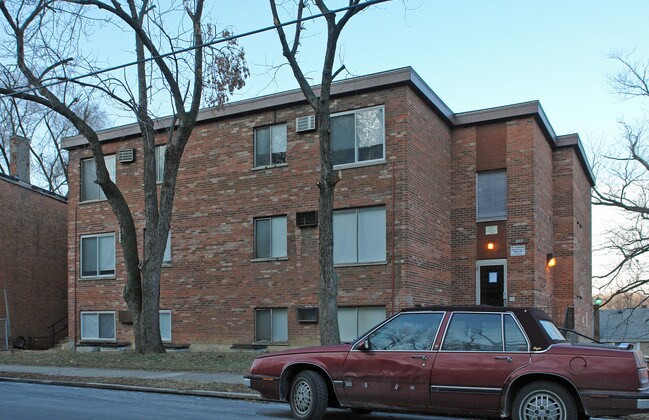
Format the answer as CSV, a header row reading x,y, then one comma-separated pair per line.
x,y
474,54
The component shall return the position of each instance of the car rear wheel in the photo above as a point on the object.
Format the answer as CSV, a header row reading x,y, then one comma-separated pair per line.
x,y
544,401
308,396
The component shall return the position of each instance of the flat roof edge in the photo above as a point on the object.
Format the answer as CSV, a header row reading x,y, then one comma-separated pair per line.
x,y
22,184
573,140
371,81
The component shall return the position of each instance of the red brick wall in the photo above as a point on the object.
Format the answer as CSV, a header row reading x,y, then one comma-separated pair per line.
x,y
213,286
32,259
572,221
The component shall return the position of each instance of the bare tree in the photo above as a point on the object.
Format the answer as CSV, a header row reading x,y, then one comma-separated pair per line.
x,y
178,78
45,129
320,102
623,184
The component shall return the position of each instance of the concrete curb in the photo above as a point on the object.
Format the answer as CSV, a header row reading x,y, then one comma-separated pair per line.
x,y
98,385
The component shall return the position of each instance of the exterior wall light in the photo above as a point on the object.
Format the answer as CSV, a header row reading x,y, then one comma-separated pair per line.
x,y
552,261
490,246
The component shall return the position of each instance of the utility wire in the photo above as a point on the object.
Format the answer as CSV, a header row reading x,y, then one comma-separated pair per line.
x,y
184,50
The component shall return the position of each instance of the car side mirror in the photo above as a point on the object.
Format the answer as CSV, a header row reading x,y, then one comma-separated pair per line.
x,y
364,345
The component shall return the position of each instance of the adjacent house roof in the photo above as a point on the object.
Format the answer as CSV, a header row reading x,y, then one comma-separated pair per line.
x,y
405,75
22,184
624,325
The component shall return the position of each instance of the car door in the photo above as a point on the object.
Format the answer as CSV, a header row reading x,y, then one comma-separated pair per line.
x,y
480,351
391,366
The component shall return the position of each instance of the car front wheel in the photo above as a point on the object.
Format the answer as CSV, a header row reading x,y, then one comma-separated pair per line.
x,y
308,396
544,401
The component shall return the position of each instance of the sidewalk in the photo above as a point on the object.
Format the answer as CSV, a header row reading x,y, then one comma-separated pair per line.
x,y
58,371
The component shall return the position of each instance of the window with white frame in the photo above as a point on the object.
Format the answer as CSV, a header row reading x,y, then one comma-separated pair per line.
x,y
270,237
358,136
90,190
270,145
98,255
492,195
98,325
356,320
165,325
271,324
166,258
160,162
359,235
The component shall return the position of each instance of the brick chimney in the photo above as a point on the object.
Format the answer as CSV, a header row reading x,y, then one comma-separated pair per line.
x,y
19,158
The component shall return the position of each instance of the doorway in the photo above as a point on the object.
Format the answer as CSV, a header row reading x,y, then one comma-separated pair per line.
x,y
491,282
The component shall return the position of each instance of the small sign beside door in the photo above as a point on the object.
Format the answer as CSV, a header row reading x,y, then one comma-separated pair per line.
x,y
517,250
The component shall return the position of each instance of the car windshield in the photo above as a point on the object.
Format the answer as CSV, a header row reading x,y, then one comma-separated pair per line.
x,y
552,330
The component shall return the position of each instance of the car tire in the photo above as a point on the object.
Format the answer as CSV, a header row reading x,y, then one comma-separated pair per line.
x,y
309,396
544,400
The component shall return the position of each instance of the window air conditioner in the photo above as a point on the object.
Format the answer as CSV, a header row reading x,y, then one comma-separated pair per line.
x,y
126,156
306,123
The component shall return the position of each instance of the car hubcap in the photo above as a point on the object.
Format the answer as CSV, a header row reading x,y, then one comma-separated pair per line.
x,y
302,397
543,406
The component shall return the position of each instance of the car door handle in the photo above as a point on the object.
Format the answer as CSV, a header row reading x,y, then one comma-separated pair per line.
x,y
507,358
419,357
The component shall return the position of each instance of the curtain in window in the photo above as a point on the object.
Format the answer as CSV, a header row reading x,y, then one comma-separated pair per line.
x,y
278,237
278,145
369,134
345,237
280,324
165,326
89,189
492,194
371,234
106,255
166,258
160,162
89,326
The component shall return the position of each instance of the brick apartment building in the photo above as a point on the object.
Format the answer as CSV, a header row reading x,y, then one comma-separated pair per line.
x,y
33,256
434,207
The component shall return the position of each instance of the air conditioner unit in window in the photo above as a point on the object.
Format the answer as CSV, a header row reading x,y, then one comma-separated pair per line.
x,y
126,156
306,123
306,219
307,315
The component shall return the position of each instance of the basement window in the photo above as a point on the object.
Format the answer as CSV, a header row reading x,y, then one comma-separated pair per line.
x,y
98,325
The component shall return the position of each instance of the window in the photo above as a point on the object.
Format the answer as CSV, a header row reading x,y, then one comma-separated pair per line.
x,y
98,325
409,331
359,235
166,258
271,324
474,332
270,145
160,162
98,255
355,321
514,338
90,190
165,325
358,136
492,195
270,237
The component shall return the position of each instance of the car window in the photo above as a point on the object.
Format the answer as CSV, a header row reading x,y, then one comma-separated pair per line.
x,y
552,330
408,331
514,337
474,332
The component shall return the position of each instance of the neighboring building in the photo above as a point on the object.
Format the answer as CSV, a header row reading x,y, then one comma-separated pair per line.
x,y
625,326
423,193
33,256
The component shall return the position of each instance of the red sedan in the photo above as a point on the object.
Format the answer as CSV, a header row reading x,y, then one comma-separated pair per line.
x,y
464,361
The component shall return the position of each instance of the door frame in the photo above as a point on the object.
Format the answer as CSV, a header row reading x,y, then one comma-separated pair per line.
x,y
481,263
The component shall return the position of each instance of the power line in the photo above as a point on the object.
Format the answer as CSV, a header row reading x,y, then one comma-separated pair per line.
x,y
184,50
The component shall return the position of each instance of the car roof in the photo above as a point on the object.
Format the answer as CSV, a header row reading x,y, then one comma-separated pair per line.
x,y
528,317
